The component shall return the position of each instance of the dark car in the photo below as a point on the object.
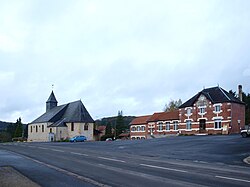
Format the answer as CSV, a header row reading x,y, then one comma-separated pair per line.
x,y
78,139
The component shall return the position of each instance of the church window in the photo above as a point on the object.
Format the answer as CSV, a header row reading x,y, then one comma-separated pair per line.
x,y
72,126
86,127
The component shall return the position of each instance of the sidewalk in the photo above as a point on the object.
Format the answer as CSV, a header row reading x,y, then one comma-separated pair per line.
x,y
9,177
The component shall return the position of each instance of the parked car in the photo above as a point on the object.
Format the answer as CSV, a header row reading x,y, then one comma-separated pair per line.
x,y
109,139
245,132
78,139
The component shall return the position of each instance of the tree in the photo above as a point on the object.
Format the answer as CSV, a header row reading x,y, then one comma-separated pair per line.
x,y
19,128
246,99
172,105
120,125
108,129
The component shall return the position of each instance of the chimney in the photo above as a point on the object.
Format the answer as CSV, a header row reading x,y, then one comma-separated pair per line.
x,y
240,92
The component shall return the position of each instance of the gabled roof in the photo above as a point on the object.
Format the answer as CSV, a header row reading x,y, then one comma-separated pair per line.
x,y
164,116
215,95
52,98
140,120
71,112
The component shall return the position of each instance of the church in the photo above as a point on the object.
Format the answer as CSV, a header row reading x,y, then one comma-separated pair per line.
x,y
61,122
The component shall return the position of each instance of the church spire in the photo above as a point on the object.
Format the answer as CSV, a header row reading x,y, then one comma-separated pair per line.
x,y
51,102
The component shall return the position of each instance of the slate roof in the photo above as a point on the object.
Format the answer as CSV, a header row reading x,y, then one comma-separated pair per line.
x,y
52,98
140,120
71,112
215,95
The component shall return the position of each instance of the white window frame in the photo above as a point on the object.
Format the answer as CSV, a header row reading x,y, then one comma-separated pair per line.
x,y
189,111
160,127
217,126
189,125
175,125
167,126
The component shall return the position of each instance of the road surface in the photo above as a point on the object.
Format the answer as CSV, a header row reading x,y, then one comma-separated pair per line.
x,y
173,161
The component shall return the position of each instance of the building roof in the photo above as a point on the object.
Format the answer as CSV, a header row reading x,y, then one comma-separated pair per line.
x,y
140,120
71,112
101,128
155,117
215,95
164,116
52,98
172,115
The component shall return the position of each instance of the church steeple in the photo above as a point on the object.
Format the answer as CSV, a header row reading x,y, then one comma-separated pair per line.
x,y
51,102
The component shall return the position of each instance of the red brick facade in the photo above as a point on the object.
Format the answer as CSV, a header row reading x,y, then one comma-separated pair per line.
x,y
211,111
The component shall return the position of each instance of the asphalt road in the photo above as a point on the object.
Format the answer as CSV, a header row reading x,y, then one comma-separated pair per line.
x,y
173,161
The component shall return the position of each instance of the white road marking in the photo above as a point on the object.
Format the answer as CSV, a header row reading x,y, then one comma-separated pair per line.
x,y
81,154
42,147
86,179
235,179
111,159
159,167
57,150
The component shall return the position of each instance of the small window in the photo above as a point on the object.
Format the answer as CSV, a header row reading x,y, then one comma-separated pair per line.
x,y
217,124
168,126
188,124
42,128
133,129
189,110
50,130
138,138
202,110
160,127
86,127
142,128
138,128
30,128
72,126
175,125
217,108
36,128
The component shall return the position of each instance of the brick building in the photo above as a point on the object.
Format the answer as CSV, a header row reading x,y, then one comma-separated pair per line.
x,y
158,125
211,111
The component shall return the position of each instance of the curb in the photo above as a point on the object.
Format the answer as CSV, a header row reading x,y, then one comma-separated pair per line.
x,y
247,160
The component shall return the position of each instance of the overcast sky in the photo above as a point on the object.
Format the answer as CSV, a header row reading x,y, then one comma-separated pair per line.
x,y
115,55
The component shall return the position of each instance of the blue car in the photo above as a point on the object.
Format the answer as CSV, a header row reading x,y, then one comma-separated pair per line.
x,y
78,139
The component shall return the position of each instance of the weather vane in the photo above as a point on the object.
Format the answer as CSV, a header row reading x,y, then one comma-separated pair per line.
x,y
52,87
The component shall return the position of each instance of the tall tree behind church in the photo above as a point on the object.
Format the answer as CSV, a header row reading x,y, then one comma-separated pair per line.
x,y
120,125
19,128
